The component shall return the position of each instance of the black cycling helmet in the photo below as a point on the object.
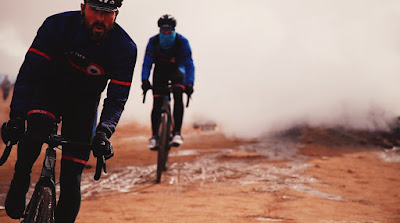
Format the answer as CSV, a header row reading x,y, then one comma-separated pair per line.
x,y
166,21
105,5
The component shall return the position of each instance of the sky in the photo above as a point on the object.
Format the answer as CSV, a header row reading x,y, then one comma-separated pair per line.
x,y
260,65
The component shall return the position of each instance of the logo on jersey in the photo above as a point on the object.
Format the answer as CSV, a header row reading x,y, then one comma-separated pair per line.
x,y
94,70
81,62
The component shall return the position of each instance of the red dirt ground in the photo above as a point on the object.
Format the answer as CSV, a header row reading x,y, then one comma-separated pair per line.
x,y
347,165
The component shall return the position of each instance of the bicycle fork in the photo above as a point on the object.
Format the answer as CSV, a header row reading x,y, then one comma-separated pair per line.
x,y
49,164
48,175
46,180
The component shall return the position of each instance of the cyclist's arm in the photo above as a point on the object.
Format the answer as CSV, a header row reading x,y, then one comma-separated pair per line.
x,y
188,62
148,61
118,89
34,68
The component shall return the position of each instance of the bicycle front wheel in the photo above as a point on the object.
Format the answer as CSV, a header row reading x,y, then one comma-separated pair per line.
x,y
162,156
42,208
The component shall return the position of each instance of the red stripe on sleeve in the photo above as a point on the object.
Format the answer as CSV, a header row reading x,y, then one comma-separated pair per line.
x,y
40,53
121,82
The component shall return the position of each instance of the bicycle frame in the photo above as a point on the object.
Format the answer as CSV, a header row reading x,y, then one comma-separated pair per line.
x,y
166,109
164,132
43,201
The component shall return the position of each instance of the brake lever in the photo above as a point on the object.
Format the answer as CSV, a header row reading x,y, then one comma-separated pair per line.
x,y
100,165
188,99
6,153
144,96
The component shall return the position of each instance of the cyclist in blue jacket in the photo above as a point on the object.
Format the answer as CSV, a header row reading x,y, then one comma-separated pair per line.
x,y
73,58
172,56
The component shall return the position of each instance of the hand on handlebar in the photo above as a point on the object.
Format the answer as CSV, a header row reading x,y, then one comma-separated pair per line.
x,y
12,131
189,89
146,85
102,146
102,150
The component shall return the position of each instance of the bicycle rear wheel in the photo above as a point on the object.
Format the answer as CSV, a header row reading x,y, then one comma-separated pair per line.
x,y
163,149
41,208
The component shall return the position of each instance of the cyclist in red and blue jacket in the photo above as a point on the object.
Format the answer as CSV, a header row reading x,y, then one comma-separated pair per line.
x,y
73,58
172,56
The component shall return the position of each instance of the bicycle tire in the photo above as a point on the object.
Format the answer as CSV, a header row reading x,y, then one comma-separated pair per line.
x,y
162,154
41,207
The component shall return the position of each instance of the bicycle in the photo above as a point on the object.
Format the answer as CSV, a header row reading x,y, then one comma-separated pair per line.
x,y
163,145
41,206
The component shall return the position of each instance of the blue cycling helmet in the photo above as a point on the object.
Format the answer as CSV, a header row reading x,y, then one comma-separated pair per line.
x,y
105,5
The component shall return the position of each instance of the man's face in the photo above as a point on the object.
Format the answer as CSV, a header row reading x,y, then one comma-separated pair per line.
x,y
98,22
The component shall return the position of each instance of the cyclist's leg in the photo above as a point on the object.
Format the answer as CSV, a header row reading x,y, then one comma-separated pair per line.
x,y
70,190
40,125
77,126
178,88
178,108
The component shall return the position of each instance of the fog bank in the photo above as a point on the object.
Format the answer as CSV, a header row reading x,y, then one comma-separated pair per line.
x,y
260,65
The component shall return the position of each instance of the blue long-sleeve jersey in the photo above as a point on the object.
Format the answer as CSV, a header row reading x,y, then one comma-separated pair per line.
x,y
181,54
63,54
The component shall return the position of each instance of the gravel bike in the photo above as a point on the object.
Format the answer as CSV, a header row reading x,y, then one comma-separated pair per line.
x,y
163,145
41,206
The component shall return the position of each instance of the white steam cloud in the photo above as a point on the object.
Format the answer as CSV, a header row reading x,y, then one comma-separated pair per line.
x,y
9,37
12,49
265,65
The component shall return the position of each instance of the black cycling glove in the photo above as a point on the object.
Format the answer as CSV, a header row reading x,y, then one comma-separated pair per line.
x,y
101,146
189,89
146,85
12,130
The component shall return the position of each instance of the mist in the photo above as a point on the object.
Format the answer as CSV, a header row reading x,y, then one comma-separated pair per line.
x,y
261,65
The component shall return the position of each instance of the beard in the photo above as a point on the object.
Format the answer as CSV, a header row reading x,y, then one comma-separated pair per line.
x,y
98,30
